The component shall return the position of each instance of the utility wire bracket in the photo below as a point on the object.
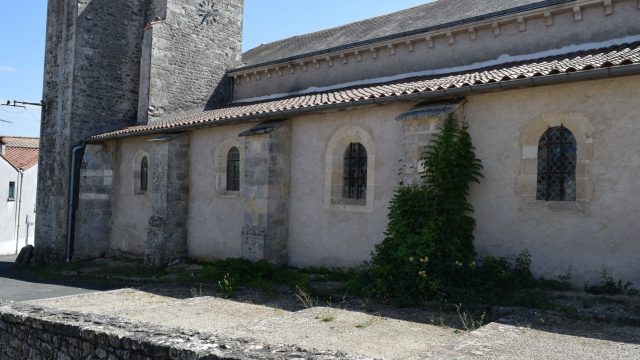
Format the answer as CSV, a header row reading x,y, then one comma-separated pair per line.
x,y
22,104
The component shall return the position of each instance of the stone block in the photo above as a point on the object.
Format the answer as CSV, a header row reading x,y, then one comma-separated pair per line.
x,y
266,179
167,232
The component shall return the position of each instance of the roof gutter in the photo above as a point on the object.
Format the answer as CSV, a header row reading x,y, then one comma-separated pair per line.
x,y
596,74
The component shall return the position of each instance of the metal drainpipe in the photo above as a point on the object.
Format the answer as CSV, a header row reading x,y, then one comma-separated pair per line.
x,y
73,189
19,207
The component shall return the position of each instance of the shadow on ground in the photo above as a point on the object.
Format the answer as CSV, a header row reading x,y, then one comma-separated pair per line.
x,y
16,284
286,299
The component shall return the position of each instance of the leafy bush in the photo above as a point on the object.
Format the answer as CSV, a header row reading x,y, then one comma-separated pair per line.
x,y
227,285
608,286
428,252
429,239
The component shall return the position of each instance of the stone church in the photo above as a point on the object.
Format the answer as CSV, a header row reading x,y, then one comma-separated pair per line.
x,y
161,139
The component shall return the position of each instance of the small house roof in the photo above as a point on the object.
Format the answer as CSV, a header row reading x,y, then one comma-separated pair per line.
x,y
21,152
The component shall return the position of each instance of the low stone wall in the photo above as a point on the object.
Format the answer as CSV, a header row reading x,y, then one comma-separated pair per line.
x,y
28,332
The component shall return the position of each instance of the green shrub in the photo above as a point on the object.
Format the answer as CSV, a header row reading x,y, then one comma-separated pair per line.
x,y
262,274
608,286
429,239
227,285
428,252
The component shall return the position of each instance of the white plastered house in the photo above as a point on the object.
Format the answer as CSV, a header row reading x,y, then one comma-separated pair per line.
x,y
18,185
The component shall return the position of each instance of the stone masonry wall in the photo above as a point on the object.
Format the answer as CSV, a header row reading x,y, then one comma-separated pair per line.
x,y
93,215
190,53
167,235
33,333
91,81
418,127
267,178
54,142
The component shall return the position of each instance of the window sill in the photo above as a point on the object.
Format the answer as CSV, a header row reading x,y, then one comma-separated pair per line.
x,y
357,206
11,200
230,194
349,202
557,206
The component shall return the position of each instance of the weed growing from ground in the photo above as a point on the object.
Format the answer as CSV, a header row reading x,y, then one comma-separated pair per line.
x,y
227,286
197,292
469,321
306,299
262,274
326,318
365,324
608,286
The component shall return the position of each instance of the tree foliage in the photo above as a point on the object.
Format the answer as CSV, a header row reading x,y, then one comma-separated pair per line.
x,y
429,239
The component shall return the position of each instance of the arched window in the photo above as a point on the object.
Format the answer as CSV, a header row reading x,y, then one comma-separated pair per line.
x,y
144,174
354,185
557,158
233,170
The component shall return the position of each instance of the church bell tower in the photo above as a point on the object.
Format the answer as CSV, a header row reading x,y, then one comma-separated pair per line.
x,y
116,63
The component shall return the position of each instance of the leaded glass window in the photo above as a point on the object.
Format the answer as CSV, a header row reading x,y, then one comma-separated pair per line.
x,y
233,170
557,158
144,174
355,172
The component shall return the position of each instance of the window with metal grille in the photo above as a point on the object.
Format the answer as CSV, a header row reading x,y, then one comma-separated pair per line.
x,y
233,170
355,172
557,158
144,174
12,190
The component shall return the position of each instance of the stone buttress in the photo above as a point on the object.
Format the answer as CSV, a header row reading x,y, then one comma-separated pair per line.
x,y
267,180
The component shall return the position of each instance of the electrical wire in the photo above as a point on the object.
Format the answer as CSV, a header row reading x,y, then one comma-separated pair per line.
x,y
6,110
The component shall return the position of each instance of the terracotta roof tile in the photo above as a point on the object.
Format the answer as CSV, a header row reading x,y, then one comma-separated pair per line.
x,y
21,152
21,158
579,61
18,141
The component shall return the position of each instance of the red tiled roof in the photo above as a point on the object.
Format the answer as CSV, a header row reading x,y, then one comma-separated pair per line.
x,y
21,152
17,141
21,158
582,61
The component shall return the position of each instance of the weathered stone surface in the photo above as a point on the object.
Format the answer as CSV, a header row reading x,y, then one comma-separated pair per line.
x,y
25,255
93,214
267,180
188,54
29,332
110,64
167,235
91,84
418,126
